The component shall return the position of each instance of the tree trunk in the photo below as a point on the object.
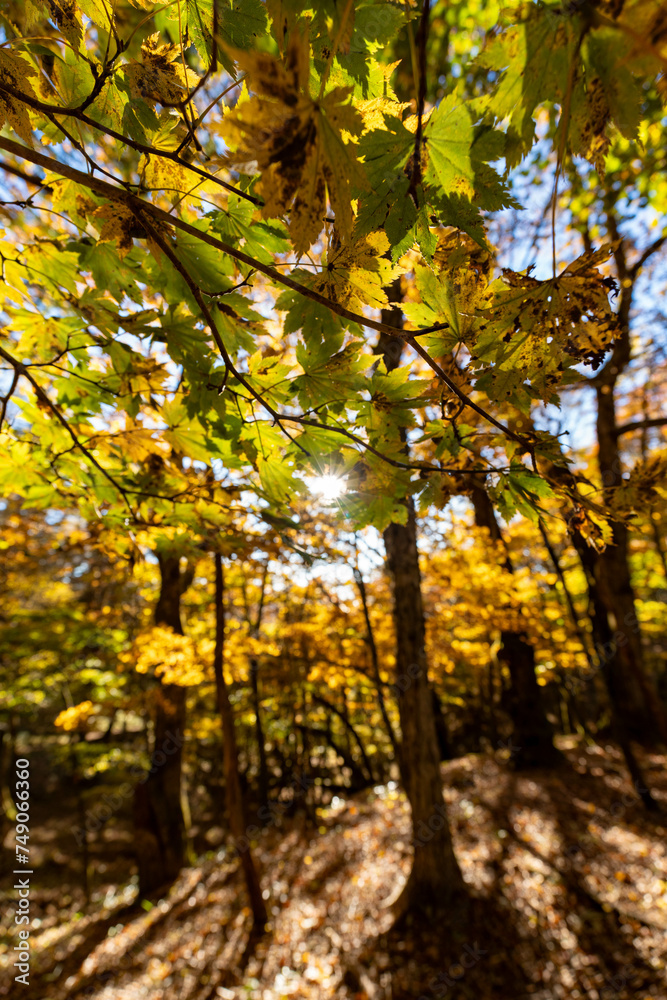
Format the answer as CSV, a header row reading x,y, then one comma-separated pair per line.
x,y
160,839
259,735
445,751
375,662
350,733
435,877
638,712
256,703
607,646
532,736
240,832
637,700
435,874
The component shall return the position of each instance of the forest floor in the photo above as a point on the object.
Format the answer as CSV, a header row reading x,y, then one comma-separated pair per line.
x,y
567,876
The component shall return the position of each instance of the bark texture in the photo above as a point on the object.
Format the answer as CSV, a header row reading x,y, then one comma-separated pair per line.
x,y
435,879
435,874
159,825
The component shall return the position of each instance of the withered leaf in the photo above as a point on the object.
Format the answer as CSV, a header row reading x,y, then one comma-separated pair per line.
x,y
296,141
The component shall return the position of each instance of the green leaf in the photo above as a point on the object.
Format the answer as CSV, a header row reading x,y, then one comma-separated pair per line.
x,y
278,479
385,204
438,305
448,138
535,57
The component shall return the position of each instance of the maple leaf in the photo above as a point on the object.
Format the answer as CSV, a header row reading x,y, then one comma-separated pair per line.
x,y
535,329
645,487
160,76
551,55
535,57
330,378
239,24
374,110
15,72
357,273
296,141
589,520
448,137
385,203
66,15
119,225
465,269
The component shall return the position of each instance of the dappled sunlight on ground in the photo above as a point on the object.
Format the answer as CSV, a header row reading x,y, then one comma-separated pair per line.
x,y
566,871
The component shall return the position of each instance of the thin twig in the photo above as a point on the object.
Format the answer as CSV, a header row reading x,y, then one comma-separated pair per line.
x,y
416,173
141,206
5,399
141,147
21,369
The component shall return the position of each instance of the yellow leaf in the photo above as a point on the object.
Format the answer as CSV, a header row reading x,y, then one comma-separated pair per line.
x,y
355,274
373,111
159,76
14,73
76,716
296,142
119,225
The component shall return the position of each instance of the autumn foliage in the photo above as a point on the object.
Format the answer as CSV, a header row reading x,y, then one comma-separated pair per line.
x,y
332,435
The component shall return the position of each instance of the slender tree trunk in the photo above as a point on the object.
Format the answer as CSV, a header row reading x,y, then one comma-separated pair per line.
x,y
233,794
435,874
375,662
350,733
638,701
256,703
259,735
607,646
160,839
638,704
560,573
532,738
435,878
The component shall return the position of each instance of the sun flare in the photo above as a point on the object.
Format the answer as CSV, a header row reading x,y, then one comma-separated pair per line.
x,y
326,487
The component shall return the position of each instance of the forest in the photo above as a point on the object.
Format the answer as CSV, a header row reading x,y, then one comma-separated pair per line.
x,y
333,500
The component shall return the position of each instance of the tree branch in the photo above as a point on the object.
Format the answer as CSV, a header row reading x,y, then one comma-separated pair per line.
x,y
416,172
147,212
26,178
640,425
280,418
466,399
5,399
140,147
644,256
21,369
140,205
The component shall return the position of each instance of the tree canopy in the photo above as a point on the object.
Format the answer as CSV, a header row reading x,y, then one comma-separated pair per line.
x,y
220,197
